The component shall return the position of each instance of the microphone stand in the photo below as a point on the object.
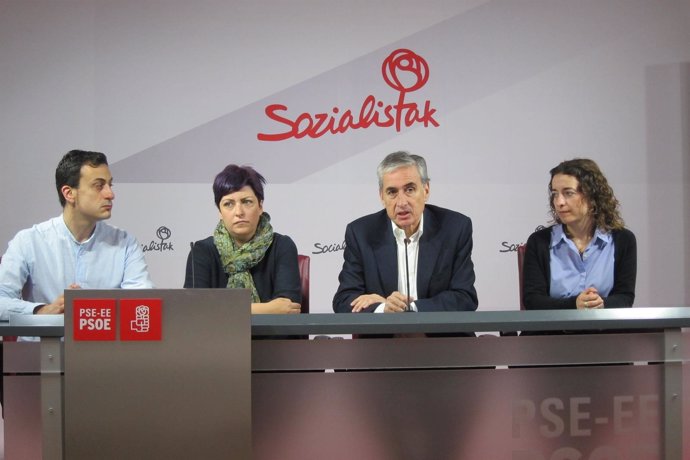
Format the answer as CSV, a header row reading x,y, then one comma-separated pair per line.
x,y
408,308
191,252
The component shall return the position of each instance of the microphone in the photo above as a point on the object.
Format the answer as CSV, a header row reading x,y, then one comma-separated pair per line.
x,y
191,254
407,275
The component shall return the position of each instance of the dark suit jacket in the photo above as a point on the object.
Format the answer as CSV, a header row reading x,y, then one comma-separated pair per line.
x,y
277,275
445,272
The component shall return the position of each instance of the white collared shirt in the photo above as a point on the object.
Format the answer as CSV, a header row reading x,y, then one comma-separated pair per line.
x,y
411,264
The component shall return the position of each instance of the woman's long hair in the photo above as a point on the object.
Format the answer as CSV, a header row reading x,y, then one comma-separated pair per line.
x,y
596,190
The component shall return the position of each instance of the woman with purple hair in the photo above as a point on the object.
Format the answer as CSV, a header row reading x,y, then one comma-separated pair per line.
x,y
244,252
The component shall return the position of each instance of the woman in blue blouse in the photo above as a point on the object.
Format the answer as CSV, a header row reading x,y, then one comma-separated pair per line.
x,y
587,259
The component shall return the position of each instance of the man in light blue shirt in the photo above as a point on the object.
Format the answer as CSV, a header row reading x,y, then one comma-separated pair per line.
x,y
74,250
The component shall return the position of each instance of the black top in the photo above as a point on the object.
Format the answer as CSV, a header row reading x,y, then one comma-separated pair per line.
x,y
537,273
277,275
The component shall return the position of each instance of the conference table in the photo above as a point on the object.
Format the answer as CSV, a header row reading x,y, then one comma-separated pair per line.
x,y
597,384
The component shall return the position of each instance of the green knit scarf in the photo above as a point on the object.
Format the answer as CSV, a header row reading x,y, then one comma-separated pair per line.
x,y
237,261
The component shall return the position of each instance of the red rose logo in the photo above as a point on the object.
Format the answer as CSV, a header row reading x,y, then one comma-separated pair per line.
x,y
405,71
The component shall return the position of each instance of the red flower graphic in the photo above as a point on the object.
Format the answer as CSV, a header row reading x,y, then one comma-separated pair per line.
x,y
403,67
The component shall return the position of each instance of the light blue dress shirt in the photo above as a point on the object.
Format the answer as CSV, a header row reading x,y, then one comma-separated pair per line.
x,y
572,273
42,261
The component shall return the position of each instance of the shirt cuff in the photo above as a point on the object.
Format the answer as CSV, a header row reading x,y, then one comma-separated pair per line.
x,y
382,306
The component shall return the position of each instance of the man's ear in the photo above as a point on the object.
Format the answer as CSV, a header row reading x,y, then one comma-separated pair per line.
x,y
67,193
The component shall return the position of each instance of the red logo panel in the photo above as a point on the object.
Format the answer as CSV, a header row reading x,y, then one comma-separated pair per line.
x,y
94,319
141,319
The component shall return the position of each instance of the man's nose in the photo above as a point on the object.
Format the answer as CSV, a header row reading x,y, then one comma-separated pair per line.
x,y
108,192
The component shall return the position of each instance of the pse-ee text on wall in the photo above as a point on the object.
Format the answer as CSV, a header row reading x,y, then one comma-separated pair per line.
x,y
403,70
97,319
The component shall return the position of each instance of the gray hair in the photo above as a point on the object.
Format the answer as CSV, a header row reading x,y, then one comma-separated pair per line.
x,y
400,159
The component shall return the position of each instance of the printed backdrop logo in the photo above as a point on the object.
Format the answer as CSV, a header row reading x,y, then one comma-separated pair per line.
x,y
323,248
163,233
403,70
513,247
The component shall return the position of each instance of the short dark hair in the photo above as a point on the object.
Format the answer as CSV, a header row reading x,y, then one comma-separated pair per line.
x,y
233,178
68,171
593,185
400,159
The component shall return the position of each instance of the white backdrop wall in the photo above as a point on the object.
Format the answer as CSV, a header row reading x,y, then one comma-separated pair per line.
x,y
174,90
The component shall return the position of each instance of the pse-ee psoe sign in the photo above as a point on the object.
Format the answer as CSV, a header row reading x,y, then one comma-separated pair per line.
x,y
97,319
